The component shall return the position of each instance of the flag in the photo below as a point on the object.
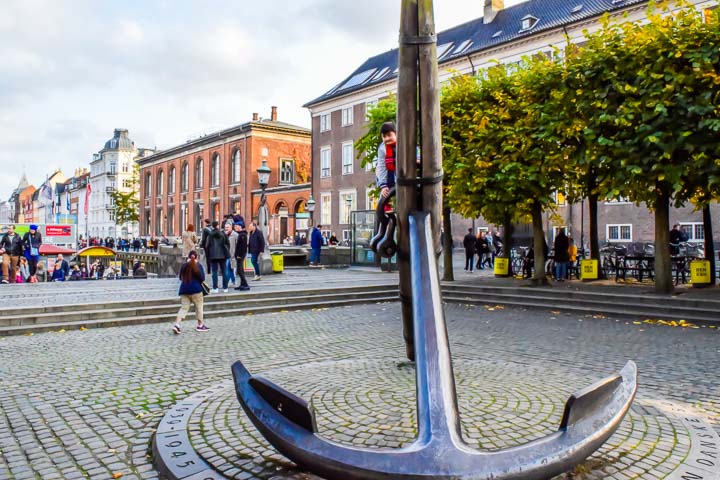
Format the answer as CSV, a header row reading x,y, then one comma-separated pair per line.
x,y
67,201
88,191
46,192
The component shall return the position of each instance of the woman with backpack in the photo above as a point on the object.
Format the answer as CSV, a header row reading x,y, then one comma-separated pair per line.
x,y
191,292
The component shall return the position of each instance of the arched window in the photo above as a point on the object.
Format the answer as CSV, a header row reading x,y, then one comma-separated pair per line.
x,y
184,177
215,171
235,167
148,185
160,181
198,174
171,181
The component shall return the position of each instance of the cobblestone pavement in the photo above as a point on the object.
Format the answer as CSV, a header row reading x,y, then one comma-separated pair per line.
x,y
84,404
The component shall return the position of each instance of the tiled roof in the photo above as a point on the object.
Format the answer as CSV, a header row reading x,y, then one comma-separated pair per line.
x,y
475,35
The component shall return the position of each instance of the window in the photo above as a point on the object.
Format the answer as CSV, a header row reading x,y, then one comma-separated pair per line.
x,y
695,231
184,177
171,181
287,170
347,205
528,22
325,158
708,13
347,116
127,183
325,122
215,171
347,158
235,167
325,209
170,228
559,198
368,108
125,167
160,179
618,233
617,201
148,185
113,167
158,222
198,174
370,199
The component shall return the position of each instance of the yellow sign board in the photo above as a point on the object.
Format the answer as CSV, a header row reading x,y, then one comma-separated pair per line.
x,y
589,269
501,267
700,272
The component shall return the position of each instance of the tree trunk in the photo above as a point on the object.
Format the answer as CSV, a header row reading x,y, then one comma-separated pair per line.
x,y
594,235
663,271
507,243
709,243
448,274
539,277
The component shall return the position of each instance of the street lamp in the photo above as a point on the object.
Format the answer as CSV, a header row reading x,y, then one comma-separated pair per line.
x,y
263,179
310,207
348,203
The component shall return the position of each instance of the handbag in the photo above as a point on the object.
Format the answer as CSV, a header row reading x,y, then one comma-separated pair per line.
x,y
34,251
205,289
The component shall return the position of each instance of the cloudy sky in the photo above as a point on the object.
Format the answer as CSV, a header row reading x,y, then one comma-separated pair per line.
x,y
74,70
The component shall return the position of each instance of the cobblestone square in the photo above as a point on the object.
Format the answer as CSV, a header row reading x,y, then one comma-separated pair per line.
x,y
85,404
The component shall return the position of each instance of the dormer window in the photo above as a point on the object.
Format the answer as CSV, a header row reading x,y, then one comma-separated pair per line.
x,y
528,22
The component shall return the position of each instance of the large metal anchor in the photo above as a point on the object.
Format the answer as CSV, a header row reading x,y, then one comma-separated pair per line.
x,y
383,242
591,415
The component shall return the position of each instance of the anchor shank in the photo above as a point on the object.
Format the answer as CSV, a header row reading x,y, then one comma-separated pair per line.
x,y
437,409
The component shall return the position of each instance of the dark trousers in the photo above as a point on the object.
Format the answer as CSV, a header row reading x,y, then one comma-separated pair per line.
x,y
255,264
32,264
218,265
469,261
241,271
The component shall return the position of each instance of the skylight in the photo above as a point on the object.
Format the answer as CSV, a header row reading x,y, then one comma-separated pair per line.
x,y
463,46
443,49
381,73
497,34
358,79
577,8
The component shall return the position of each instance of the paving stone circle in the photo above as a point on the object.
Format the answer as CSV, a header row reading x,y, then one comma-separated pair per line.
x,y
377,410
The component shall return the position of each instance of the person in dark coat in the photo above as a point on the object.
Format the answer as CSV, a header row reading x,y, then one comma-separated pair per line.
x,y
483,251
562,256
191,293
677,236
32,241
470,244
217,252
11,248
241,248
256,245
316,242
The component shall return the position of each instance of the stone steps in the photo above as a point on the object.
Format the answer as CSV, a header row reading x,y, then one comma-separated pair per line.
x,y
29,320
606,303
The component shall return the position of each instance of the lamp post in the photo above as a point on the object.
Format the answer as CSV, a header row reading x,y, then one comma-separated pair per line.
x,y
310,207
263,179
348,203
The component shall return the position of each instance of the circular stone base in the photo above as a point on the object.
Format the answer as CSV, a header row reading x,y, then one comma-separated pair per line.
x,y
371,403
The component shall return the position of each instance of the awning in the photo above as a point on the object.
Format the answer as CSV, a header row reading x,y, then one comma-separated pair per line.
x,y
46,249
96,251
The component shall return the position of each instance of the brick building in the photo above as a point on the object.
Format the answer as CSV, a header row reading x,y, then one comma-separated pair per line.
x,y
216,175
502,35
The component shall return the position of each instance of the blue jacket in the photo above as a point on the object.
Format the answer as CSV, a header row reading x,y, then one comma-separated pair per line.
x,y
58,276
256,243
195,284
316,239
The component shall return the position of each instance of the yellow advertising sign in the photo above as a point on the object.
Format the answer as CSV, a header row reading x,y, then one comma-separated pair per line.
x,y
589,269
501,267
700,272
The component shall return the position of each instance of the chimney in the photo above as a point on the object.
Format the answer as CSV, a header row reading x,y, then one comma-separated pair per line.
x,y
492,7
273,115
256,117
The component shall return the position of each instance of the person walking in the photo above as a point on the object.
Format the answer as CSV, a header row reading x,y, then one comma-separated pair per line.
x,y
11,248
316,243
191,293
562,255
207,230
469,242
240,252
189,240
31,242
256,245
232,238
217,252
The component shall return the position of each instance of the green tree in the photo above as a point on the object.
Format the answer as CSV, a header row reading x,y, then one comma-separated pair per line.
x,y
503,160
652,91
127,204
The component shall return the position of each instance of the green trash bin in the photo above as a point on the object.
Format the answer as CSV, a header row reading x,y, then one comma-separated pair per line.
x,y
277,262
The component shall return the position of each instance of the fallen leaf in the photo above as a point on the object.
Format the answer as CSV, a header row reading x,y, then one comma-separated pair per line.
x,y
117,474
556,312
84,329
